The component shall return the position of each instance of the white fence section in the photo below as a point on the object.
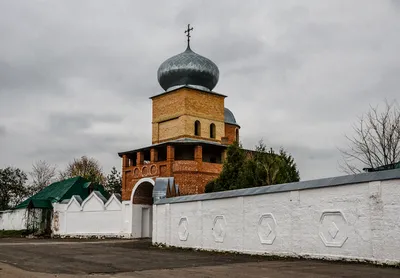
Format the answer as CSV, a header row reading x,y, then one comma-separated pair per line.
x,y
13,219
97,216
352,217
93,216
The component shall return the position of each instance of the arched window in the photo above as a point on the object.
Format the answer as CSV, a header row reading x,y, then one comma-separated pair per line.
x,y
212,130
197,128
237,135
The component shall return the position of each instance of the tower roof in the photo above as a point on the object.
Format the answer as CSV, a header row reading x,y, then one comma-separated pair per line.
x,y
229,117
188,68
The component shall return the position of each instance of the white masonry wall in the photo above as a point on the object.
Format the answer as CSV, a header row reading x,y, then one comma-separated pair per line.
x,y
13,219
351,221
94,217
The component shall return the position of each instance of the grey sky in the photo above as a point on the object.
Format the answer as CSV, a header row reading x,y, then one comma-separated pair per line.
x,y
76,76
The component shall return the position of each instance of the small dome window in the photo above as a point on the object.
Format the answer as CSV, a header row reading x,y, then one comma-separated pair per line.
x,y
197,128
212,131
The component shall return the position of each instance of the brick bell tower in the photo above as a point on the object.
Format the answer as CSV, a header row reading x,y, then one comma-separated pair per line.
x,y
191,127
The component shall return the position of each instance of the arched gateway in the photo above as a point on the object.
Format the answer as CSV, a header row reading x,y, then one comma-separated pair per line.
x,y
144,193
142,206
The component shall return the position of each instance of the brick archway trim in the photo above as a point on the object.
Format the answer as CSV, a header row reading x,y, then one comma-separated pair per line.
x,y
139,182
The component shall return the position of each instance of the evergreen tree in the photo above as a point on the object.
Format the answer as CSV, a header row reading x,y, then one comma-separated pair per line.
x,y
250,175
114,182
243,169
229,176
289,172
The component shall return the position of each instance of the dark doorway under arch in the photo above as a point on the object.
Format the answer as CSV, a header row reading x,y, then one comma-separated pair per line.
x,y
143,194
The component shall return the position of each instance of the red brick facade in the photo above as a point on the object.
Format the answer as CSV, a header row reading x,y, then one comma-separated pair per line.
x,y
193,161
231,133
191,175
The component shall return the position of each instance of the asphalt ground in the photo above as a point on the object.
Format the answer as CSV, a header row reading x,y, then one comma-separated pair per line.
x,y
138,258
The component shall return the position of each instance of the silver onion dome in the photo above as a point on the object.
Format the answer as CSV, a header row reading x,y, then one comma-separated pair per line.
x,y
188,68
229,117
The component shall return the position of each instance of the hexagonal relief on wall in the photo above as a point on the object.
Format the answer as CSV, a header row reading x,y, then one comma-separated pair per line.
x,y
333,228
183,231
267,228
219,227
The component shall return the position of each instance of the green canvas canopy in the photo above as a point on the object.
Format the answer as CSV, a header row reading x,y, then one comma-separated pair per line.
x,y
58,191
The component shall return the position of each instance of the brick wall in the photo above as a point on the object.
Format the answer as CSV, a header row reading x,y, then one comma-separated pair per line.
x,y
204,105
168,105
169,129
193,182
131,175
174,114
230,133
191,175
205,127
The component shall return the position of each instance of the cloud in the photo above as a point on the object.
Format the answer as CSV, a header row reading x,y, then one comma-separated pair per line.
x,y
3,131
77,122
76,77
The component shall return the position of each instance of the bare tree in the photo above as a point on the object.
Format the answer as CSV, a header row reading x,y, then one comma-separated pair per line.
x,y
43,174
88,168
376,140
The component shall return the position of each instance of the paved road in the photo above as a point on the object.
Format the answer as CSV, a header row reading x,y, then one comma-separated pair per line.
x,y
127,258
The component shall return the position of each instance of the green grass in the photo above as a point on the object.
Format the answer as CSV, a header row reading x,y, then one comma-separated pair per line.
x,y
13,233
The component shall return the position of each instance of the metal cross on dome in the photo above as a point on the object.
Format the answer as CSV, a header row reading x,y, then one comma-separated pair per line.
x,y
188,34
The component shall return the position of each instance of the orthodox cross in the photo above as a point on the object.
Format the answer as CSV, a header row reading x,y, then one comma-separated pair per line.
x,y
188,33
